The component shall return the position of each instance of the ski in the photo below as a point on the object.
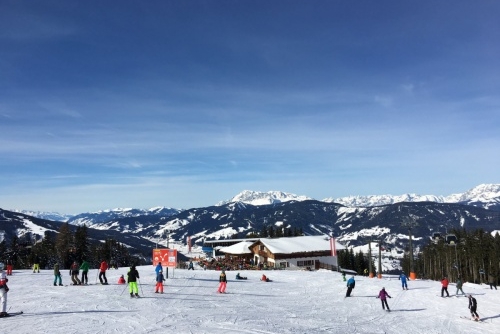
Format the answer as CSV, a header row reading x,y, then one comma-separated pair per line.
x,y
470,318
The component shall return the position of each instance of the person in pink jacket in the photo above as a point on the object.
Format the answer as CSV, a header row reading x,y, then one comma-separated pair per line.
x,y
383,298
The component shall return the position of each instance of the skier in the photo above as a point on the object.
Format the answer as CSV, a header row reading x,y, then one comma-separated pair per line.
x,y
85,270
223,282
132,277
158,268
492,280
73,272
264,278
159,281
36,265
350,285
57,275
191,265
444,287
473,308
403,279
343,276
10,266
102,272
121,280
383,298
3,291
459,286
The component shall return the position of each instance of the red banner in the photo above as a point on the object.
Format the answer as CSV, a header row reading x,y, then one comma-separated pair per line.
x,y
167,257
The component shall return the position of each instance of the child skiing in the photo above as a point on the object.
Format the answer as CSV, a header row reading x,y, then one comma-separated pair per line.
x,y
350,285
132,277
473,308
403,279
121,280
223,282
159,281
383,298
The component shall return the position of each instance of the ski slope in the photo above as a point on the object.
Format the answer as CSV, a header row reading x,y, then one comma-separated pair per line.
x,y
295,302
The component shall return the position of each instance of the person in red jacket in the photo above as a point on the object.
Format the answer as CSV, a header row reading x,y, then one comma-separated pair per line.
x,y
102,272
444,287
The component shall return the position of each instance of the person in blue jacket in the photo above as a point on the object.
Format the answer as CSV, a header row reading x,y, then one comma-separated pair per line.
x,y
350,285
403,280
158,268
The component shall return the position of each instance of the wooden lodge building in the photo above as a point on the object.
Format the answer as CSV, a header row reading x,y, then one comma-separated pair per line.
x,y
291,252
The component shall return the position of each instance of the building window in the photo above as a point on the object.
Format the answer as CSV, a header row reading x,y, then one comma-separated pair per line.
x,y
262,247
307,263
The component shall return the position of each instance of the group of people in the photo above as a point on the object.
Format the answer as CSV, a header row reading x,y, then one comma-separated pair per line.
x,y
383,294
74,272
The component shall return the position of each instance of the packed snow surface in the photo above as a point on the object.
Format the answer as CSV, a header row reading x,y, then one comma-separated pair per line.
x,y
294,302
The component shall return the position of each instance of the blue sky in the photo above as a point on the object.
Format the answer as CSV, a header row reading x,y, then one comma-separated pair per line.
x,y
187,103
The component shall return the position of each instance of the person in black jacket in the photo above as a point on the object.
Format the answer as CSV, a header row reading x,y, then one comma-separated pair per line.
x,y
132,277
473,308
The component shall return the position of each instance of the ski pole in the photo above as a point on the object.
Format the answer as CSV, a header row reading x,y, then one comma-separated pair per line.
x,y
141,286
124,289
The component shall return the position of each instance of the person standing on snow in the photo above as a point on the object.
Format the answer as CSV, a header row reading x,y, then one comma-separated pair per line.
x,y
159,281
350,285
492,281
57,275
383,298
223,282
158,268
403,279
444,287
73,272
102,272
459,286
85,270
473,308
36,265
3,291
191,266
132,277
10,266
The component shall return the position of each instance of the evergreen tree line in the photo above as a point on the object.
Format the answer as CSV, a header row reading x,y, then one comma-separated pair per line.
x,y
276,232
358,262
474,257
64,248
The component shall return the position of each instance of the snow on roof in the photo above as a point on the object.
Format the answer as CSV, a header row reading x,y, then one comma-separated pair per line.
x,y
239,248
299,244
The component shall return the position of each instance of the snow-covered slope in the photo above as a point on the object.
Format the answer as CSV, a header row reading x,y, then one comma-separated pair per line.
x,y
295,302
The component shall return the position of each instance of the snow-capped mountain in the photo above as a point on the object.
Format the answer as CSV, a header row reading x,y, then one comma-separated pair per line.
x,y
46,215
484,195
264,198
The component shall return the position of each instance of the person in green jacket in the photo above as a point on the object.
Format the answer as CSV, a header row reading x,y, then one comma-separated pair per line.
x,y
85,270
57,275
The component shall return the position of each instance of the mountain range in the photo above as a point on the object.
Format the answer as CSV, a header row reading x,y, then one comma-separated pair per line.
x,y
353,220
